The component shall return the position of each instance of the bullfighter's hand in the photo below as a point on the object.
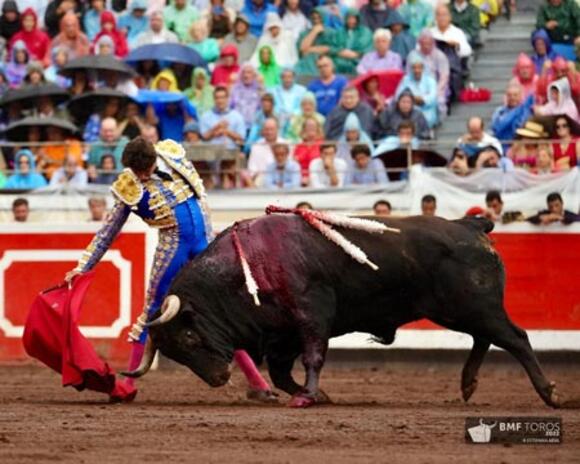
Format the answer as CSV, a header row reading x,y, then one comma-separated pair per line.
x,y
70,275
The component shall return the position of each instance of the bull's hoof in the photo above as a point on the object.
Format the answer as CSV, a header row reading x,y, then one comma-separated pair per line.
x,y
468,390
553,398
262,396
301,401
322,398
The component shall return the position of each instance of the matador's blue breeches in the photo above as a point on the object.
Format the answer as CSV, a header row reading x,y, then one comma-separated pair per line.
x,y
177,246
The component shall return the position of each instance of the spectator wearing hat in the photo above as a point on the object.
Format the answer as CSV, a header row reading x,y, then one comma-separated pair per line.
x,y
365,170
381,58
476,138
20,210
512,114
256,12
418,14
9,20
283,172
561,18
524,152
134,22
156,33
280,41
554,213
241,38
178,16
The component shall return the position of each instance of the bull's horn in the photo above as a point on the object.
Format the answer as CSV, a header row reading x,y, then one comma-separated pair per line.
x,y
148,356
169,310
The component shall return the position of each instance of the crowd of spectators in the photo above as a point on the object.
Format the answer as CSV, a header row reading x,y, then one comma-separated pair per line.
x,y
296,88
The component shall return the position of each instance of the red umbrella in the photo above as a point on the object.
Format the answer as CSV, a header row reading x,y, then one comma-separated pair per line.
x,y
388,81
53,337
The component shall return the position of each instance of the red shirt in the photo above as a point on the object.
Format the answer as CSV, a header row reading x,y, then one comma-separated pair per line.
x,y
569,153
304,153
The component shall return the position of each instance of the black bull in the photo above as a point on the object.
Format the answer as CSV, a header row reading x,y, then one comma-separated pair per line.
x,y
311,290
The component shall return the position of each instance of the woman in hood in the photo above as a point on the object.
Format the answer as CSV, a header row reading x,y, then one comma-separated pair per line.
x,y
402,109
34,74
423,87
560,68
17,66
307,111
352,134
104,46
246,93
281,42
109,27
37,42
207,47
71,37
559,101
200,94
25,176
59,57
525,75
269,69
165,81
350,43
10,20
227,67
402,42
314,42
542,50
293,19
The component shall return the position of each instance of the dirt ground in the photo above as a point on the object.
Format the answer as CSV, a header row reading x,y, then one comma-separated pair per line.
x,y
400,412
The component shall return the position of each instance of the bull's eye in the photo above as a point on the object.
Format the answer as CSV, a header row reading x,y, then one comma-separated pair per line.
x,y
189,334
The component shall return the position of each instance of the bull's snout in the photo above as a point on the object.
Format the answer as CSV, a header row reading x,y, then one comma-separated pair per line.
x,y
219,379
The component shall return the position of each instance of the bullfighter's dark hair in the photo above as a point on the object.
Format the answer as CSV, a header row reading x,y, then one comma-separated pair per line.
x,y
358,149
19,202
382,202
493,195
139,155
429,199
554,196
304,205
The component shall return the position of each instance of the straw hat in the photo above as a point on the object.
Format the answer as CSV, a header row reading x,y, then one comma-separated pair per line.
x,y
532,130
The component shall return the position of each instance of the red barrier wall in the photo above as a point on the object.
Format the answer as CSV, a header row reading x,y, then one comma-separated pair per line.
x,y
542,293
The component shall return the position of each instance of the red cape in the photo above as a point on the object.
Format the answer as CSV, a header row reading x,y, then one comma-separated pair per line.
x,y
52,336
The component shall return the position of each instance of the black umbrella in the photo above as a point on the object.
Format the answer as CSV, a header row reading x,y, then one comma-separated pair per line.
x,y
28,95
99,63
398,158
82,106
18,131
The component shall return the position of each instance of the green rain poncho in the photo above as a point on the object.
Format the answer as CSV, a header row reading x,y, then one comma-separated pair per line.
x,y
202,98
359,40
270,72
307,63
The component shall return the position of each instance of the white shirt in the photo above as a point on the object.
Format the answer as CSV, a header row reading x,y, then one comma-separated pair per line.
x,y
261,157
454,34
318,176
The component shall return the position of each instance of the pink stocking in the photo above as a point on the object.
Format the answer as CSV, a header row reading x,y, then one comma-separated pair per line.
x,y
135,359
250,370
